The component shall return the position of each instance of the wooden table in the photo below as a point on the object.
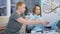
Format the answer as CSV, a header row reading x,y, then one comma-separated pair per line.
x,y
2,28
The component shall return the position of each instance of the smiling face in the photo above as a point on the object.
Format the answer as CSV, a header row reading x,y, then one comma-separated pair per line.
x,y
37,10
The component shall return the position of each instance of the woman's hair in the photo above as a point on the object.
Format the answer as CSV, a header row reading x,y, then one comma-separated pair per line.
x,y
19,4
35,8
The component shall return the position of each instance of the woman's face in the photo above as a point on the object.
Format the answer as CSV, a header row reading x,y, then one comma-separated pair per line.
x,y
37,10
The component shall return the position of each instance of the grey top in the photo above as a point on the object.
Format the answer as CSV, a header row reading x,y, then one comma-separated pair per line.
x,y
13,26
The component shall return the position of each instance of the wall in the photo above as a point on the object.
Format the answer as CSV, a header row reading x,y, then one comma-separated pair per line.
x,y
52,9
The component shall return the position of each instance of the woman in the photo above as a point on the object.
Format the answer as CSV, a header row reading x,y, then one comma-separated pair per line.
x,y
17,19
36,15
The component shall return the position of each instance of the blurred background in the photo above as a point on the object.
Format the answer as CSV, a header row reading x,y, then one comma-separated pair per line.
x,y
50,9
